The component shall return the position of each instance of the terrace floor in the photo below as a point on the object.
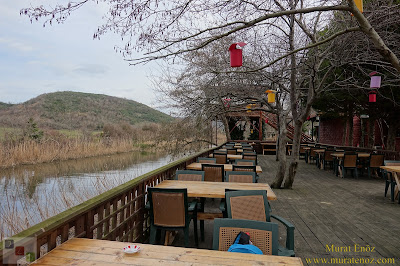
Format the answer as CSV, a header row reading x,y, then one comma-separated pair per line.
x,y
350,214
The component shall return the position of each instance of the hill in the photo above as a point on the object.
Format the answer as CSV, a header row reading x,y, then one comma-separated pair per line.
x,y
77,110
4,105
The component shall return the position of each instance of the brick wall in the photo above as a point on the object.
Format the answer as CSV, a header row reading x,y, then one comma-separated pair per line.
x,y
331,132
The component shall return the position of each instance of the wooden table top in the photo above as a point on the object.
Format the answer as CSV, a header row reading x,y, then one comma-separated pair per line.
x,y
83,251
391,168
231,156
360,154
205,189
238,150
227,167
320,151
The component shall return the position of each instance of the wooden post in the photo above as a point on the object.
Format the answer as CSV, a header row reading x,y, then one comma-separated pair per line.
x,y
260,128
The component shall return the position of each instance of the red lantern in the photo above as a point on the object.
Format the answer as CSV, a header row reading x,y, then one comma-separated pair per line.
x,y
372,96
236,54
227,102
266,120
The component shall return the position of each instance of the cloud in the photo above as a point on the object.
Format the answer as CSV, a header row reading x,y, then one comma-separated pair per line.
x,y
16,45
91,69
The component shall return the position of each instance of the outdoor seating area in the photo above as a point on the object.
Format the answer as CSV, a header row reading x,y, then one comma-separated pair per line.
x,y
290,227
353,163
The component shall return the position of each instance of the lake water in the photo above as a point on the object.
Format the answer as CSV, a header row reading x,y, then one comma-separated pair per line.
x,y
31,194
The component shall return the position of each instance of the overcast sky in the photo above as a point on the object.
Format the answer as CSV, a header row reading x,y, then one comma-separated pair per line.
x,y
36,60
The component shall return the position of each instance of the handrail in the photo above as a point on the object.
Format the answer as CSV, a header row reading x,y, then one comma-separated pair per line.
x,y
117,214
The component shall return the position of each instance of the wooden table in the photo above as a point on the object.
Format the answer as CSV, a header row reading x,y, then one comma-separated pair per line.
x,y
83,251
394,170
339,156
204,189
227,167
238,150
359,154
231,156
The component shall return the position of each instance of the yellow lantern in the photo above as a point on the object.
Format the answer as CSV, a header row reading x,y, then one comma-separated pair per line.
x,y
248,107
359,4
271,96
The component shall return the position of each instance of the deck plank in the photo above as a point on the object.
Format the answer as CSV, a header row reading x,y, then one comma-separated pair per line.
x,y
330,210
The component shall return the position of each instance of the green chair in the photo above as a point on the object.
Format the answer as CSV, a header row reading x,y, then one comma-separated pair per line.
x,y
170,210
189,175
231,151
247,168
264,235
206,160
250,157
254,205
213,172
241,177
244,162
221,158
193,175
375,162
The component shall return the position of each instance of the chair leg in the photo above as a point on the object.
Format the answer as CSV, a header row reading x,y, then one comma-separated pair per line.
x,y
196,237
386,187
186,230
392,186
356,172
369,172
153,234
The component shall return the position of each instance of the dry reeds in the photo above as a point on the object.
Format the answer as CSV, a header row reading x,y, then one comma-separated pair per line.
x,y
31,152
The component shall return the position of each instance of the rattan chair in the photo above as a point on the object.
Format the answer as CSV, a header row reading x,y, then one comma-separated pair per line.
x,y
244,162
389,180
375,162
170,210
264,235
213,172
231,151
254,205
302,152
206,160
250,157
247,168
312,154
327,158
189,175
349,162
221,158
240,177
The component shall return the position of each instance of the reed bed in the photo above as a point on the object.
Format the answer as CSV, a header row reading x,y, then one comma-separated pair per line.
x,y
32,152
20,211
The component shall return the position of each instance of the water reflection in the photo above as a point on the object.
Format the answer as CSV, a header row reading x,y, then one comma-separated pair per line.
x,y
32,193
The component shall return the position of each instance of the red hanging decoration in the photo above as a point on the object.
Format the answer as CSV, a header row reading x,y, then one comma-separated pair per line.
x,y
227,102
372,96
236,54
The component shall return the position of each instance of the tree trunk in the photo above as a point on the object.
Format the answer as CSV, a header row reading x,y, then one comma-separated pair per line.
x,y
281,151
371,132
294,159
226,126
362,141
391,138
351,128
344,133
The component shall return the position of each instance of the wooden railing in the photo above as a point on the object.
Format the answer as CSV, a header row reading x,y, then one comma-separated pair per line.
x,y
118,214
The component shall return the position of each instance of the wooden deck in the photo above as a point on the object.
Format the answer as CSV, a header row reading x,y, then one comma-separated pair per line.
x,y
350,214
